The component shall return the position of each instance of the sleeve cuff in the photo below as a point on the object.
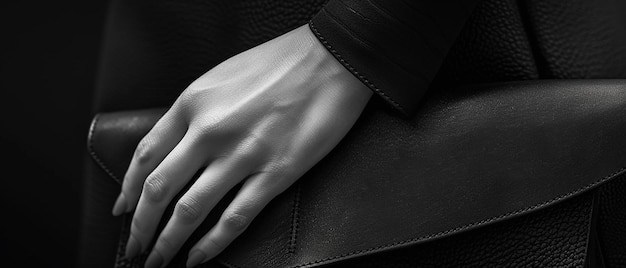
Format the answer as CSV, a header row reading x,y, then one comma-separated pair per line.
x,y
393,50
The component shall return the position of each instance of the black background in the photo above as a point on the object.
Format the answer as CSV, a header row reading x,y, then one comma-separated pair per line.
x,y
49,61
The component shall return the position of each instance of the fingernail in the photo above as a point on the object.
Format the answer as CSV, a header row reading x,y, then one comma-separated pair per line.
x,y
120,205
132,248
195,258
154,260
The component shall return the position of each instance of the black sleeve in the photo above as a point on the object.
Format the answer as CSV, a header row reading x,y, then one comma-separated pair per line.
x,y
395,47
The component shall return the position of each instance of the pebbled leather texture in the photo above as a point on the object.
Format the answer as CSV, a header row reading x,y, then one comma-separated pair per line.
x,y
492,47
612,222
586,39
533,240
578,38
467,161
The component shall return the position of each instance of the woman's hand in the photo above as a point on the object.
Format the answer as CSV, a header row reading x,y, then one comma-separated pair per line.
x,y
264,117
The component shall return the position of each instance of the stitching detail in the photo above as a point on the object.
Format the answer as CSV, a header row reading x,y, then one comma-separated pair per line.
x,y
101,164
92,152
295,216
471,224
295,212
461,228
353,70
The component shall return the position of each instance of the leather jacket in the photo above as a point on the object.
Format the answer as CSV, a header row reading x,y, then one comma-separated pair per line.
x,y
394,47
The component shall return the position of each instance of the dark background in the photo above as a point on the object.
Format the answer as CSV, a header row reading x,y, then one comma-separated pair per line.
x,y
49,61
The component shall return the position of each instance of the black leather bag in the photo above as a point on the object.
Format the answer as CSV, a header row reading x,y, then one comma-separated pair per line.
x,y
514,174
155,48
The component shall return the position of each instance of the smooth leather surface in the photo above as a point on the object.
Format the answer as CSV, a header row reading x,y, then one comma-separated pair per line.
x,y
465,162
555,237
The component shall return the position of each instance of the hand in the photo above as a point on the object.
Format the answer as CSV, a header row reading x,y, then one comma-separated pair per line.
x,y
263,117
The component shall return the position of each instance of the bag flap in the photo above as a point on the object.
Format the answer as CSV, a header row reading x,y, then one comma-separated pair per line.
x,y
465,161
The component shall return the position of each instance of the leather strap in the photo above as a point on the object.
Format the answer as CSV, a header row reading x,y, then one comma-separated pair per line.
x,y
465,161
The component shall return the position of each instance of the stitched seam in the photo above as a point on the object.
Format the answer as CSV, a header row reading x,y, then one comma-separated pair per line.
x,y
353,70
471,224
97,159
93,153
464,227
295,215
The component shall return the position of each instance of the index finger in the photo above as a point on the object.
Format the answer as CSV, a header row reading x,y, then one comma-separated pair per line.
x,y
150,151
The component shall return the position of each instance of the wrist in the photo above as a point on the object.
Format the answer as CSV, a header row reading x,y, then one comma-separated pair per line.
x,y
328,72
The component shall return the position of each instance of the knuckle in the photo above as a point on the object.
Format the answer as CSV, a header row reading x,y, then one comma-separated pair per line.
x,y
243,159
137,226
278,167
282,170
166,244
214,246
188,210
274,188
188,96
188,99
276,179
252,149
154,187
143,153
235,222
259,144
207,129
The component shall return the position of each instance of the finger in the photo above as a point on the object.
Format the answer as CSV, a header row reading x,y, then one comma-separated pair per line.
x,y
159,189
193,207
253,196
152,149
